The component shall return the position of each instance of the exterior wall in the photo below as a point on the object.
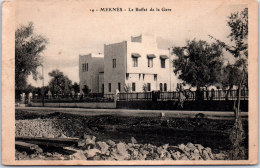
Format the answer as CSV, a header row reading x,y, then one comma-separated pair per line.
x,y
101,81
92,105
174,78
144,47
90,78
124,72
114,75
139,81
215,105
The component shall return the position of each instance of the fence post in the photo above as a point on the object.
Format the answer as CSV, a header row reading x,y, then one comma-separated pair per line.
x,y
43,100
115,95
244,94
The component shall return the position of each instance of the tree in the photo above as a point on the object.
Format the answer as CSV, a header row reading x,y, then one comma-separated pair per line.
x,y
29,88
238,24
86,90
75,87
198,63
231,76
59,84
28,49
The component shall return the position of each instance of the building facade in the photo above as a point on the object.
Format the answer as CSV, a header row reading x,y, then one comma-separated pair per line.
x,y
135,65
90,68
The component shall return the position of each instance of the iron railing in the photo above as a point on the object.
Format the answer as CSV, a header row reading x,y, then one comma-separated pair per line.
x,y
188,94
91,97
145,96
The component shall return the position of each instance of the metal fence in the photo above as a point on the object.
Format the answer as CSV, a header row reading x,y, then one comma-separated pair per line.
x,y
189,95
145,96
91,97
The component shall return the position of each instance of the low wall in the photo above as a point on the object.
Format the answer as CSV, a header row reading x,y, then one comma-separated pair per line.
x,y
149,105
94,105
188,105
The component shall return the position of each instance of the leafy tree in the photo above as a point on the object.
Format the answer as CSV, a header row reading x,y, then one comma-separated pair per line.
x,y
75,87
86,89
38,91
231,76
28,49
198,63
29,88
238,23
59,84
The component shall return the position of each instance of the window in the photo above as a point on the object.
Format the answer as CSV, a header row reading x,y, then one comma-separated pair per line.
x,y
155,77
133,87
135,57
84,67
119,87
150,62
161,89
162,63
149,87
135,61
109,87
103,88
127,76
165,87
114,63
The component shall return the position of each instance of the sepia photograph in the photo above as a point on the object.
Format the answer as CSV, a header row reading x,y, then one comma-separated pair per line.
x,y
132,81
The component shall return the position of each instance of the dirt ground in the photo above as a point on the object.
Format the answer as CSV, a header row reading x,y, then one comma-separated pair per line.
x,y
156,131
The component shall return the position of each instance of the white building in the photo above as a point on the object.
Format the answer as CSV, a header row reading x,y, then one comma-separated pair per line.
x,y
131,65
91,67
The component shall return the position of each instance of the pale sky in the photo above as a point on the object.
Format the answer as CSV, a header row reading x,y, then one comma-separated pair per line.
x,y
72,29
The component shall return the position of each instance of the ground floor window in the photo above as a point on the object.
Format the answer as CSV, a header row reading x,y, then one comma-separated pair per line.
x,y
133,87
103,88
161,87
109,87
165,87
119,87
148,87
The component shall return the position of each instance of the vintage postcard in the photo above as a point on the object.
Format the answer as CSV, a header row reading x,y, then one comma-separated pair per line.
x,y
134,82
